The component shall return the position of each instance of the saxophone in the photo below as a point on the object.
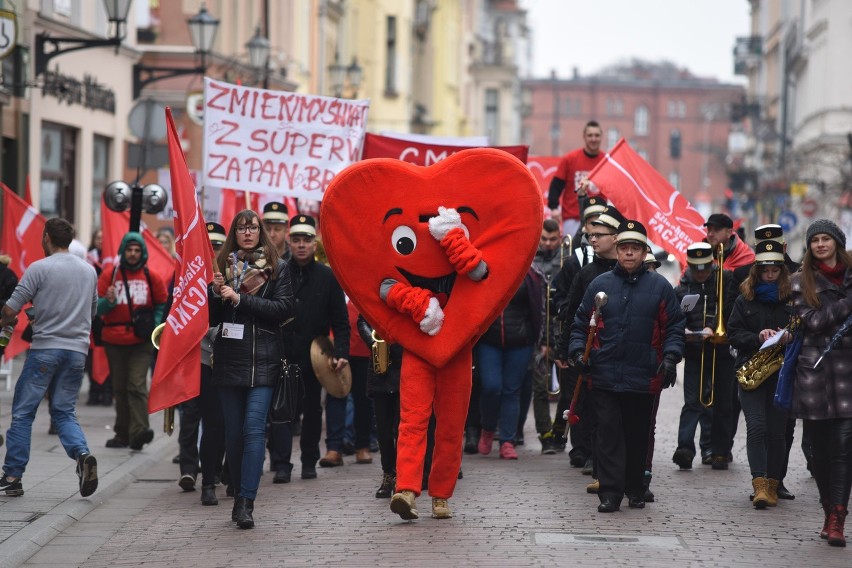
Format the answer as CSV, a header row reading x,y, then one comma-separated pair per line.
x,y
764,363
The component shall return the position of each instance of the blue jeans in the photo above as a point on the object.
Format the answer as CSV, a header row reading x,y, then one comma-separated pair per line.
x,y
244,410
58,372
502,373
335,422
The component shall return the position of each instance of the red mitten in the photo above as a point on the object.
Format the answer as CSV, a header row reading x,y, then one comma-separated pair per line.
x,y
465,258
419,304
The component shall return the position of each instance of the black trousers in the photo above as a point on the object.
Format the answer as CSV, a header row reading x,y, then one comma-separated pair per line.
x,y
280,443
387,427
831,463
621,442
204,410
363,421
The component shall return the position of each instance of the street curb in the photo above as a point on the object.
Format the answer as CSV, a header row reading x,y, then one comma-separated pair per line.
x,y
25,543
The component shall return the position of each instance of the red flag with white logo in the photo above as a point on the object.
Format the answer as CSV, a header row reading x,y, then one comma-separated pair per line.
x,y
20,238
177,374
640,193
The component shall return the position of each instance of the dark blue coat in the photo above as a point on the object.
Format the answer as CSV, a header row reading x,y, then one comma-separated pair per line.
x,y
641,322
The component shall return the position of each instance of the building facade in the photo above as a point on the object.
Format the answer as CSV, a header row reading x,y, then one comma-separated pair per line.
x,y
678,122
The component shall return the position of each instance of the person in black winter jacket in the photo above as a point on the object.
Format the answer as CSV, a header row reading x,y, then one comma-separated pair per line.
x,y
635,351
250,297
761,312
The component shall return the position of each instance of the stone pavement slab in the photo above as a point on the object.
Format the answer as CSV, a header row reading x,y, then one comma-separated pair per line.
x,y
529,512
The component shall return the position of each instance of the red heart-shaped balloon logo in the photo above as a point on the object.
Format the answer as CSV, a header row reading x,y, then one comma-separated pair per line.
x,y
375,226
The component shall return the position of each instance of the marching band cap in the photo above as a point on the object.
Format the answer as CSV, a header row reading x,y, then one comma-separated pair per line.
x,y
827,227
769,232
592,206
632,232
699,256
610,217
651,260
768,252
719,220
303,225
216,232
275,212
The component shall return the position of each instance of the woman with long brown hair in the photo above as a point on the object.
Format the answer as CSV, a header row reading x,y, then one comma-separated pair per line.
x,y
250,297
761,312
822,396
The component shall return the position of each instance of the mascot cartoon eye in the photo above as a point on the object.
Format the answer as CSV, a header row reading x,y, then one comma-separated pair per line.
x,y
403,240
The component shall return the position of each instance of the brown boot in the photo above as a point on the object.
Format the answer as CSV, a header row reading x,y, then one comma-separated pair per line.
x,y
836,518
826,507
761,495
331,459
403,504
772,491
593,487
363,455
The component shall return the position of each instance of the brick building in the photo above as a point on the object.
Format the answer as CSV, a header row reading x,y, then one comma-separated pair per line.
x,y
649,105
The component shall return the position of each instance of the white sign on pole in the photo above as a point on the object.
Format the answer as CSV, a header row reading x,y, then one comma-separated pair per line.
x,y
277,141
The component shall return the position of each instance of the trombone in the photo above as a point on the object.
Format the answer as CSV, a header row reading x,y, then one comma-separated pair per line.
x,y
720,334
553,388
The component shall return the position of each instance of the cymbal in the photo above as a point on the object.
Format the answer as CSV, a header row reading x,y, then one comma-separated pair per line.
x,y
337,384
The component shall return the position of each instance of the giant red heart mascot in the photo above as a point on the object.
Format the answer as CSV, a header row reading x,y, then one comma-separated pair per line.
x,y
431,256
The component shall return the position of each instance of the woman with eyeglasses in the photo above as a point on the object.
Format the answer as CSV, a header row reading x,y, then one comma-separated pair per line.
x,y
822,394
250,297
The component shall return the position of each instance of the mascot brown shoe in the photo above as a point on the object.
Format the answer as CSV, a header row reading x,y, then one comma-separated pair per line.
x,y
441,509
403,504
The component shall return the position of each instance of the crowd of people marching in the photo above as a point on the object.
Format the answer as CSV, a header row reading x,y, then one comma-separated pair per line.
x,y
592,321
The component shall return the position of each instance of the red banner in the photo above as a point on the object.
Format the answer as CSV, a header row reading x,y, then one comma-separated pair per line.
x,y
177,374
376,146
542,168
639,192
20,238
114,226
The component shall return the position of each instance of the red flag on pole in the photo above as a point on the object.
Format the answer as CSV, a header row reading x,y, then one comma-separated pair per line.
x,y
639,192
20,238
177,374
234,201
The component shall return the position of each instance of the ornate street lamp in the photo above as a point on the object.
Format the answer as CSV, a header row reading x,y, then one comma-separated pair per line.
x,y
258,48
202,29
116,13
341,74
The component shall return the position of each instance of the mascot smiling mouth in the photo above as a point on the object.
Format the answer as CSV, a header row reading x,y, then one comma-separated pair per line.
x,y
441,286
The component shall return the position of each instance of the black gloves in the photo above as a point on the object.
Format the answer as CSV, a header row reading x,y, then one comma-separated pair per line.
x,y
582,367
668,368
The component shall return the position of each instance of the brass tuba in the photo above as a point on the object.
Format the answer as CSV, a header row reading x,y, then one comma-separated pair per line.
x,y
765,363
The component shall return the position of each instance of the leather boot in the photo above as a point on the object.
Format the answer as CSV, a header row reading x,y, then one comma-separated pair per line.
x,y
208,495
836,518
387,487
826,507
646,483
238,505
244,512
471,439
772,492
761,495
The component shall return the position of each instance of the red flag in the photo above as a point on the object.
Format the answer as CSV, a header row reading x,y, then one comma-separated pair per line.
x,y
422,154
177,374
234,201
542,168
639,192
114,226
20,238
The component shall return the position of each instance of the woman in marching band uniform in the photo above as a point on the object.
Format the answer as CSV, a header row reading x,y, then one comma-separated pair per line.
x,y
761,312
822,396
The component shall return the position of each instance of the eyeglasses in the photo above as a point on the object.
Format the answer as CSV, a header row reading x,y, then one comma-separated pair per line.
x,y
248,228
600,235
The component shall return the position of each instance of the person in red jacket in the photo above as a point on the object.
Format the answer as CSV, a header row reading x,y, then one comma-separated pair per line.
x,y
569,183
126,293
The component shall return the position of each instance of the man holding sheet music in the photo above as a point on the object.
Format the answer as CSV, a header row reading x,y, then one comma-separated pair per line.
x,y
709,368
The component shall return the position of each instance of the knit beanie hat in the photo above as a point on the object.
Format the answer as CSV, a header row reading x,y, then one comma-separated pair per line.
x,y
827,227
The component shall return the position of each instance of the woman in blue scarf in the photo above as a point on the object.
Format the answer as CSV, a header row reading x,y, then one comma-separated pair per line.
x,y
761,312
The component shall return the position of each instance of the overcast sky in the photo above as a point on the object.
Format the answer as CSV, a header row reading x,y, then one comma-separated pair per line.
x,y
591,34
